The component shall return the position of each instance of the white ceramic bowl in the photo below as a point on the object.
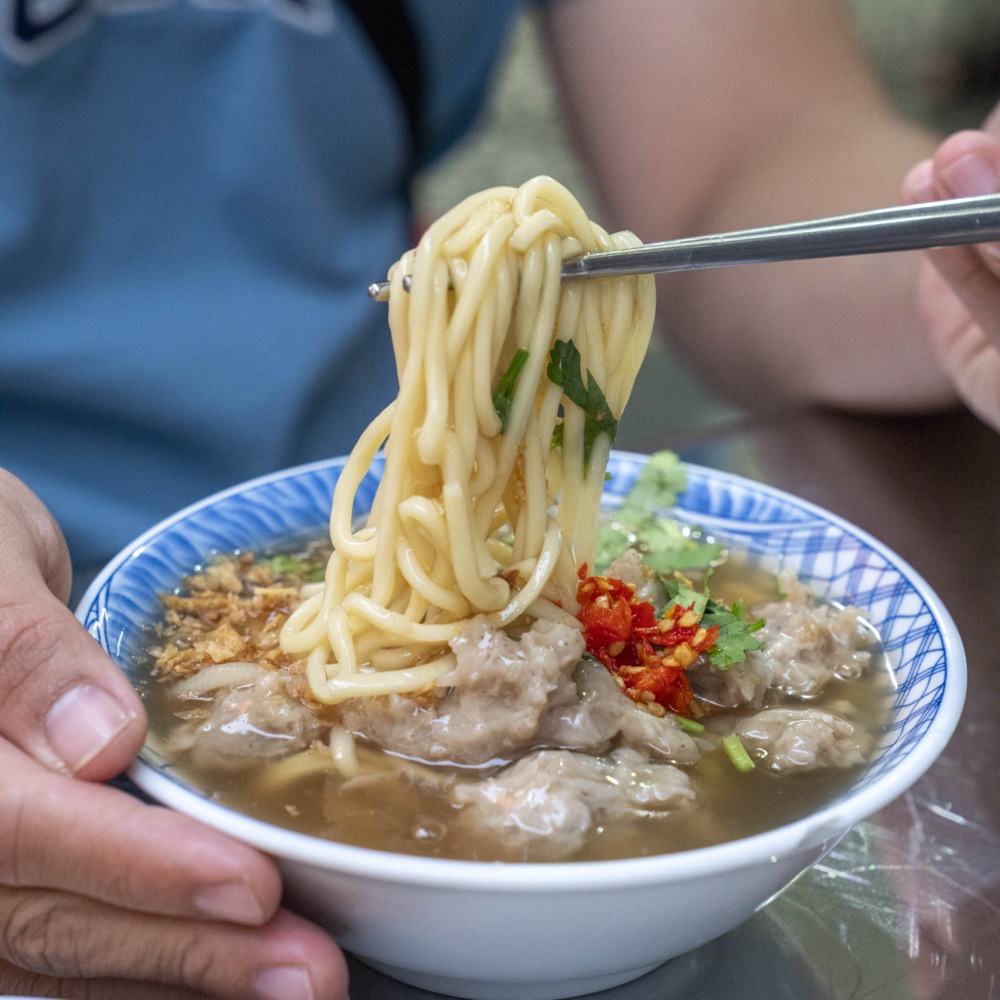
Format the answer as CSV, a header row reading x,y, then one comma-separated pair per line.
x,y
484,930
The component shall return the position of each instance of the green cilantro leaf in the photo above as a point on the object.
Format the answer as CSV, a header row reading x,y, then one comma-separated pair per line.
x,y
565,371
736,636
678,590
612,541
642,520
659,483
668,545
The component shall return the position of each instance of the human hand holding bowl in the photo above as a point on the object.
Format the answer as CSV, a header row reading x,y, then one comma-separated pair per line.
x,y
96,885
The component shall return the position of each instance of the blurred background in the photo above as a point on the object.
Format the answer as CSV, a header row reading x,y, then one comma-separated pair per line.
x,y
940,60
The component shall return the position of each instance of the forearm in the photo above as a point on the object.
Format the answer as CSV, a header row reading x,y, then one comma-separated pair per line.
x,y
727,115
841,332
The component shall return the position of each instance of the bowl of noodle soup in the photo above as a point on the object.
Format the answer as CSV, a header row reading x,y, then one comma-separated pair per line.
x,y
494,756
474,928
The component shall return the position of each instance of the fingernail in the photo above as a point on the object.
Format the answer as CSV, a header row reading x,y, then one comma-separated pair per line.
x,y
82,722
969,176
290,982
233,901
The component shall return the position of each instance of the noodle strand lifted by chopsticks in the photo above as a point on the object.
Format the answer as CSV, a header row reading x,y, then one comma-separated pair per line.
x,y
489,499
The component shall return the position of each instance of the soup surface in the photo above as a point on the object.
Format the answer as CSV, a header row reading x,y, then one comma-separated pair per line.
x,y
593,773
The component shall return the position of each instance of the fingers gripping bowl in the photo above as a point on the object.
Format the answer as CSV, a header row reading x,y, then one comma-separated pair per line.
x,y
489,929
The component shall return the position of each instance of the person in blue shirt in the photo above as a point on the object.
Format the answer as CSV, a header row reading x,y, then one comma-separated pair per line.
x,y
194,195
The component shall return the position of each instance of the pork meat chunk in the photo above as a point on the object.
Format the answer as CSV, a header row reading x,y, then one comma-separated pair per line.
x,y
601,716
496,694
628,568
543,806
741,684
258,719
803,739
806,644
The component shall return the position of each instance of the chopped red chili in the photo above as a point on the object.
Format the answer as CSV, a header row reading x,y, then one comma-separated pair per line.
x,y
648,656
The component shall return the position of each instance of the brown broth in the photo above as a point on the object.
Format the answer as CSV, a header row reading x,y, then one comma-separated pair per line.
x,y
394,807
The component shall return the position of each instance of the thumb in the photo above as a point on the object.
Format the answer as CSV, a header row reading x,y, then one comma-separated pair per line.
x,y
967,164
62,700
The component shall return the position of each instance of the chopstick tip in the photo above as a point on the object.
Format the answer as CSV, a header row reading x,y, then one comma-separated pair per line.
x,y
378,291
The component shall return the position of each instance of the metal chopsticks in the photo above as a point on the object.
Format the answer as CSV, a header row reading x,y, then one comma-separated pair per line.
x,y
906,227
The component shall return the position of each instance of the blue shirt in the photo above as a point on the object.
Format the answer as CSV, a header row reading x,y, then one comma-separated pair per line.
x,y
194,196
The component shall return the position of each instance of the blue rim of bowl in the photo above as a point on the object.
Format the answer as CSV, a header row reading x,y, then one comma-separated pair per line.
x,y
825,550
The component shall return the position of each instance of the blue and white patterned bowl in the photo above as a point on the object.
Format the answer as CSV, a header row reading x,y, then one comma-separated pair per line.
x,y
474,929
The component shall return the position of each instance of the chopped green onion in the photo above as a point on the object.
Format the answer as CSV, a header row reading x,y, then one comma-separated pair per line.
x,y
311,572
688,725
503,396
737,753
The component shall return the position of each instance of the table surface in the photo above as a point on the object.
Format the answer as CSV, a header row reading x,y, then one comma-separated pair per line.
x,y
907,907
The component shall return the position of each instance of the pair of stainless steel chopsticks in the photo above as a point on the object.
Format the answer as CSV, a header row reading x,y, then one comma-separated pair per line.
x,y
907,227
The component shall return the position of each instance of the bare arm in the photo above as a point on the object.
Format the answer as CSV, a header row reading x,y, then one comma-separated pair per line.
x,y
706,117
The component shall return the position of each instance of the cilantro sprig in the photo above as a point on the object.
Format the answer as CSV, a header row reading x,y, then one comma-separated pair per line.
x,y
641,520
736,631
565,370
736,637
